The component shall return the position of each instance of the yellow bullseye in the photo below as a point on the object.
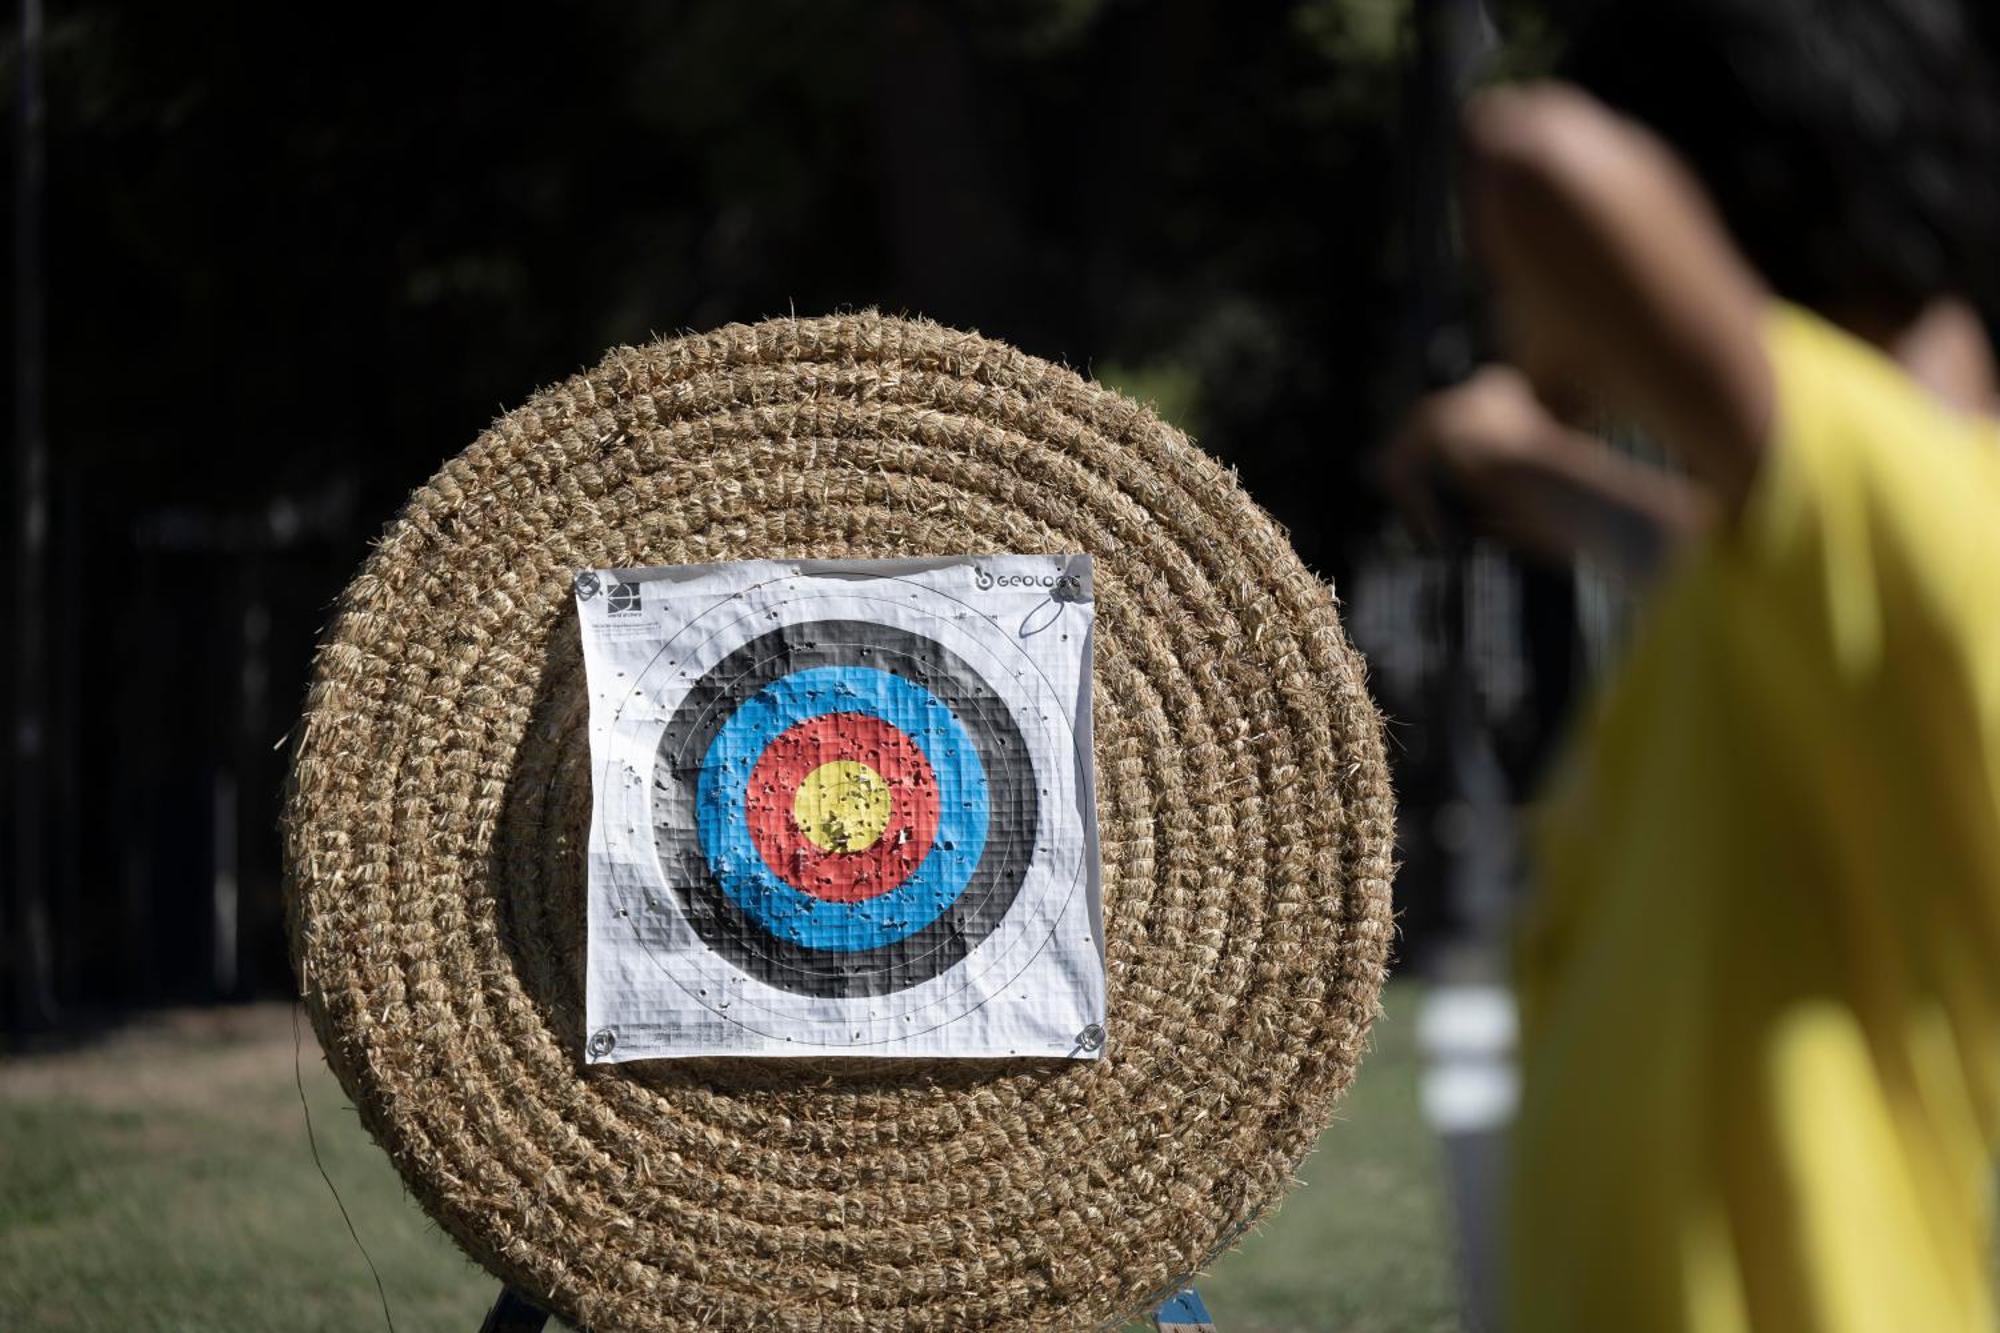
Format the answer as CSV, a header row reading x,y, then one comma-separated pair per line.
x,y
843,806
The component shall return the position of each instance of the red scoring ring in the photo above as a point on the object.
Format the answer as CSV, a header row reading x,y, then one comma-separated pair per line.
x,y
842,877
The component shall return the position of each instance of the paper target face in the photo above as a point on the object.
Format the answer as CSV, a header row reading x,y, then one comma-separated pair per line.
x,y
843,807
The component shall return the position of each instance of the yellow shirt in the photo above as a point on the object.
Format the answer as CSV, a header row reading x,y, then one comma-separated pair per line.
x,y
1761,988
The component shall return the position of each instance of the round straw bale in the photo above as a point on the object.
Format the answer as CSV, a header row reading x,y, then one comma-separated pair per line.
x,y
439,808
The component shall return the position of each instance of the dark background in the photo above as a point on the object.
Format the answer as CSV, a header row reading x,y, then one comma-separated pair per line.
x,y
291,260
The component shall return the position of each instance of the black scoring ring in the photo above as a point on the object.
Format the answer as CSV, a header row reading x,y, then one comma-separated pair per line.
x,y
989,894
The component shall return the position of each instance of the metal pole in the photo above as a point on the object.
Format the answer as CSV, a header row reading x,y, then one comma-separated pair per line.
x,y
1466,1028
28,930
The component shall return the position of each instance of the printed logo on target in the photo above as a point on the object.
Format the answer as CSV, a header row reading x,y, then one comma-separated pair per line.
x,y
1060,584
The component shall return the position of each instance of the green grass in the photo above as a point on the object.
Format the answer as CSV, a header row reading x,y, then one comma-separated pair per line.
x,y
1362,1245
160,1180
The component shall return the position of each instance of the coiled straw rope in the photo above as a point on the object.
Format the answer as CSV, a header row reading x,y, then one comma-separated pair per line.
x,y
439,809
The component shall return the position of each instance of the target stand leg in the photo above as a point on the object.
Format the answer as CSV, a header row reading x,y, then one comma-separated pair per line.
x,y
1184,1312
514,1313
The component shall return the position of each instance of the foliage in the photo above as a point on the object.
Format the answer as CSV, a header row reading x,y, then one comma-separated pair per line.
x,y
298,257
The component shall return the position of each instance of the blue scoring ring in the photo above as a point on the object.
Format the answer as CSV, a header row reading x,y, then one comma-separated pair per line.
x,y
964,809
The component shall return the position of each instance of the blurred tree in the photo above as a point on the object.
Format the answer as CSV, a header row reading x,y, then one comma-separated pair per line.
x,y
299,257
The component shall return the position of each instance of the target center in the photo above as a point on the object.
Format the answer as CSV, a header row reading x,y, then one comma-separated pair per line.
x,y
843,806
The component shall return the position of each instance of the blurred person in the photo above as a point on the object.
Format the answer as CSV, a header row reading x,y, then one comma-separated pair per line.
x,y
1760,979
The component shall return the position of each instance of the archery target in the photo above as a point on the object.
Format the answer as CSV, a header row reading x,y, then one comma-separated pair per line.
x,y
843,807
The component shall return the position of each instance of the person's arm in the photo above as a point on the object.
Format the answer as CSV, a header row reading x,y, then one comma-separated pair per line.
x,y
1616,284
1542,487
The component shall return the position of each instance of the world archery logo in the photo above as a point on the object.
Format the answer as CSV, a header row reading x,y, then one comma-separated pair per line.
x,y
623,599
623,596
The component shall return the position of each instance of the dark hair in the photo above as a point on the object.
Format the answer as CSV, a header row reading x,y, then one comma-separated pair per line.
x,y
1853,146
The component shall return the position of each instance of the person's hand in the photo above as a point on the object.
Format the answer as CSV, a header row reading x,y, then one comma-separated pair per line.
x,y
1488,458
1465,455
